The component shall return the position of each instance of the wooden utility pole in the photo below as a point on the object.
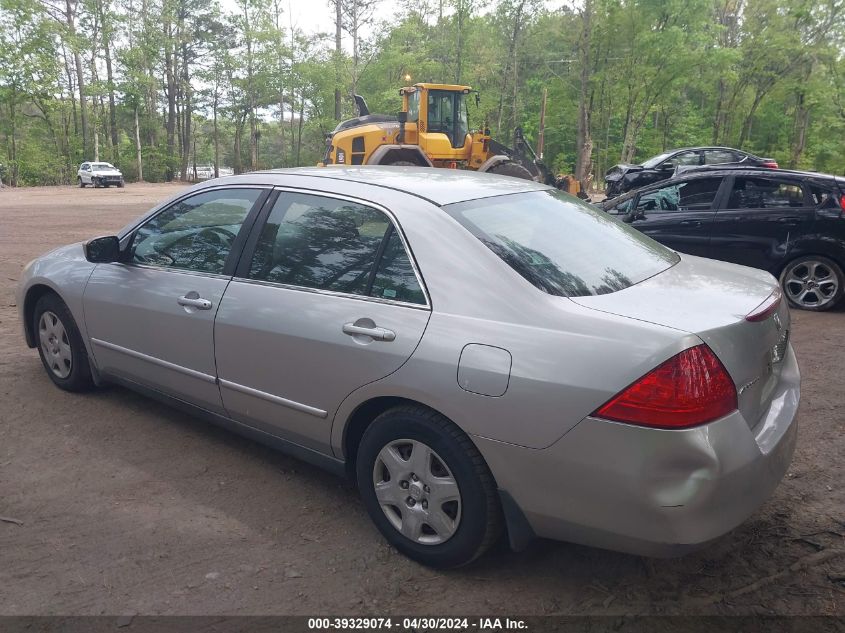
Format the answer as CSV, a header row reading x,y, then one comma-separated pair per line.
x,y
541,136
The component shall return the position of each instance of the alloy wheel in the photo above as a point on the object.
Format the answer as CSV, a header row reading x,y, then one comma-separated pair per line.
x,y
810,283
55,345
417,492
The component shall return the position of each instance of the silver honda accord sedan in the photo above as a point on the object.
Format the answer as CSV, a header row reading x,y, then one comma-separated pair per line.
x,y
481,354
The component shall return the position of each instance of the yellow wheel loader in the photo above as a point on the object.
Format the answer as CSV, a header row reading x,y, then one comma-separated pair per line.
x,y
431,130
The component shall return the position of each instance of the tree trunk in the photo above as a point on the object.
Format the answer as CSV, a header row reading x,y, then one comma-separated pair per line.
x,y
138,147
170,77
583,159
299,135
110,78
187,110
802,121
216,136
70,16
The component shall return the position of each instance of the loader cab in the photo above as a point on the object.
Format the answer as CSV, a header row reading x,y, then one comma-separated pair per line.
x,y
438,115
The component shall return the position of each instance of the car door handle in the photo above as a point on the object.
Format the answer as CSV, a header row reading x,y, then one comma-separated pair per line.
x,y
376,333
194,302
690,223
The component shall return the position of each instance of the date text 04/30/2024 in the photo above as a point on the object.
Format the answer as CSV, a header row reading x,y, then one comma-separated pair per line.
x,y
419,624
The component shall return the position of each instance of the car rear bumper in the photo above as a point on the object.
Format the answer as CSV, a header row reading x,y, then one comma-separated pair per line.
x,y
650,491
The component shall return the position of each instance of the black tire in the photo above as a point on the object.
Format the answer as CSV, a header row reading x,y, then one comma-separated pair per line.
x,y
816,301
480,523
95,182
515,170
121,185
79,181
79,377
403,163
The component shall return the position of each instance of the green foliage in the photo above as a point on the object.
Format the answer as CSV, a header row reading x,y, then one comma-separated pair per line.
x,y
764,75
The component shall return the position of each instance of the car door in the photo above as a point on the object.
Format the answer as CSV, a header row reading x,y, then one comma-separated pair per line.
x,y
151,317
760,219
678,215
325,300
85,173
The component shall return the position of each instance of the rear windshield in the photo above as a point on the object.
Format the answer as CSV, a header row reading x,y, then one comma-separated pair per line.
x,y
561,245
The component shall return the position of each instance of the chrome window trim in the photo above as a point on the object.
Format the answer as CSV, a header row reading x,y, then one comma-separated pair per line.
x,y
332,293
155,361
183,271
154,212
290,404
396,227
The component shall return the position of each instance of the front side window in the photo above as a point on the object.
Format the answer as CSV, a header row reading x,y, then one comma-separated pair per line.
x,y
621,208
196,233
330,244
765,193
694,195
414,106
562,245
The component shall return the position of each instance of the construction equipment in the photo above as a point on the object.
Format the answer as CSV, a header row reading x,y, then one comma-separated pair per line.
x,y
431,130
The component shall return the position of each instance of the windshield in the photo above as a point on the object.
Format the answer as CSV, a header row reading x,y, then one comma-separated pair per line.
x,y
654,162
447,113
562,245
101,166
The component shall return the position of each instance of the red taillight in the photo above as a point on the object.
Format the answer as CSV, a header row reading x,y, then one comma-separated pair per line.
x,y
770,164
842,204
767,308
689,389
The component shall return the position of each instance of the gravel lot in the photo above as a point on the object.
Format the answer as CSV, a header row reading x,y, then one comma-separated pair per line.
x,y
129,507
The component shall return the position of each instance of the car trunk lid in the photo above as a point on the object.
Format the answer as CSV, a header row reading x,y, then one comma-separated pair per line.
x,y
711,300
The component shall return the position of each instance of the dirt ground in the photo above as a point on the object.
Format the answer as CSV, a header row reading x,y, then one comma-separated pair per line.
x,y
130,507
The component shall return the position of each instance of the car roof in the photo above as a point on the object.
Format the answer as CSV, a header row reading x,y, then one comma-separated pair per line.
x,y
703,171
734,168
439,186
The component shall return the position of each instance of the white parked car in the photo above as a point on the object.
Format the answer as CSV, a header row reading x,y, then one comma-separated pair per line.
x,y
99,175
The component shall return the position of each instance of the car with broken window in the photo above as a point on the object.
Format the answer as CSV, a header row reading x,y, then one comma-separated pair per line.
x,y
480,354
626,177
789,223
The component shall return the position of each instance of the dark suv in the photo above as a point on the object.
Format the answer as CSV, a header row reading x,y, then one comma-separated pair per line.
x,y
789,223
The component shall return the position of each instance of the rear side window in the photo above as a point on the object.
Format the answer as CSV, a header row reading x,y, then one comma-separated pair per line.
x,y
562,245
330,244
824,198
719,156
765,193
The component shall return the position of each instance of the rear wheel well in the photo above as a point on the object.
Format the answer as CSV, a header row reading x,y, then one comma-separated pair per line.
x,y
32,297
836,260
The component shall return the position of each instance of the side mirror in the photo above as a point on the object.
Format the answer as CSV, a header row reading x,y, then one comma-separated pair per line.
x,y
402,117
102,250
667,166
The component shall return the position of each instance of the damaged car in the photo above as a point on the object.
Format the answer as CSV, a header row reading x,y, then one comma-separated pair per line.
x,y
625,177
